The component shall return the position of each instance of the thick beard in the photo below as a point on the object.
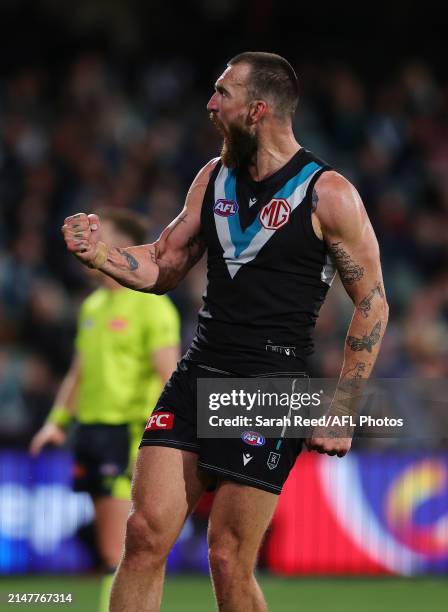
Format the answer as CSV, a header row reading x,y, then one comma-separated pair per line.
x,y
239,146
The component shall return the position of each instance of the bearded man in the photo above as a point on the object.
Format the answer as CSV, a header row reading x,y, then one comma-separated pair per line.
x,y
276,222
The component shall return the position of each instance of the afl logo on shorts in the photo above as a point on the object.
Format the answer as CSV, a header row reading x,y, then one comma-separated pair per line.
x,y
275,214
253,438
160,420
225,208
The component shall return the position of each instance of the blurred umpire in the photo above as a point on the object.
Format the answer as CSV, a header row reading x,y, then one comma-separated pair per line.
x,y
127,346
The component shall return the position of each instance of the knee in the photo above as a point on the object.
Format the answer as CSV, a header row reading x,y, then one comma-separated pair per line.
x,y
226,558
146,536
221,560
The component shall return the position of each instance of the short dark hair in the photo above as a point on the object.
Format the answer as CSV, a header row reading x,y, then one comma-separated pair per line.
x,y
273,77
127,222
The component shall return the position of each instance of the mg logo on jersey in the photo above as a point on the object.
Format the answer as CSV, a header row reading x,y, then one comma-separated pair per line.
x,y
160,420
225,208
275,214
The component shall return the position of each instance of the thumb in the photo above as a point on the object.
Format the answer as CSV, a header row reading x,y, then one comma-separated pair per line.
x,y
94,222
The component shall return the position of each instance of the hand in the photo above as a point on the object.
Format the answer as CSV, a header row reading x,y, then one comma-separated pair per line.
x,y
82,237
328,441
48,434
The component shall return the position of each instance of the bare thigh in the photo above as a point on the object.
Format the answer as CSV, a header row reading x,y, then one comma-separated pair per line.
x,y
239,518
166,487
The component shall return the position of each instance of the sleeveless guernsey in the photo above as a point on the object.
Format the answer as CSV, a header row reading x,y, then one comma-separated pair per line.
x,y
268,273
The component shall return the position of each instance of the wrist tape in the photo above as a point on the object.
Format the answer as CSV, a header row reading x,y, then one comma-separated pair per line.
x,y
100,256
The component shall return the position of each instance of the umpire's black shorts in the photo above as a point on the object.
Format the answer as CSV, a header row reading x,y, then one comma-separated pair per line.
x,y
104,458
173,424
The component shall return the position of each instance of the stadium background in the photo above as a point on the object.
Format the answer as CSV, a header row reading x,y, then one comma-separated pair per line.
x,y
103,103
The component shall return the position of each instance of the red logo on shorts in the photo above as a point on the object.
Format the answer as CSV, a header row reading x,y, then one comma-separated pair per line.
x,y
275,214
160,420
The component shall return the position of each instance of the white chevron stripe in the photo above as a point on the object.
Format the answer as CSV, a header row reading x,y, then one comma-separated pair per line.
x,y
328,271
222,225
260,239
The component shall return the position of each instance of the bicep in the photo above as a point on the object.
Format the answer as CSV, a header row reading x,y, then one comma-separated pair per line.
x,y
357,261
350,238
181,240
178,249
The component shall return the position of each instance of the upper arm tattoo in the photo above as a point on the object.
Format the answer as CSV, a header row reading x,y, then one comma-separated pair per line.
x,y
349,270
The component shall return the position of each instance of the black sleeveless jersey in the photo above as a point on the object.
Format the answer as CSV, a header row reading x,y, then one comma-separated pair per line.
x,y
268,273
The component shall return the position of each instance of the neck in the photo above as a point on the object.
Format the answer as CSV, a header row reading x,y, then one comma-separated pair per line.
x,y
276,146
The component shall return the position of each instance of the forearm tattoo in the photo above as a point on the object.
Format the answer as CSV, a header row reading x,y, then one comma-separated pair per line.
x,y
364,305
349,271
366,342
132,262
354,379
358,371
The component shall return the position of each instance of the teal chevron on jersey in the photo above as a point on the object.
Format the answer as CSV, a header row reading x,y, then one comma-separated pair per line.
x,y
305,173
241,238
241,246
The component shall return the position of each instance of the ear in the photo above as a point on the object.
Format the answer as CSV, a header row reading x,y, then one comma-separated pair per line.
x,y
257,110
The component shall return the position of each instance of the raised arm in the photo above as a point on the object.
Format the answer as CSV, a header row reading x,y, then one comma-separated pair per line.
x,y
153,268
341,221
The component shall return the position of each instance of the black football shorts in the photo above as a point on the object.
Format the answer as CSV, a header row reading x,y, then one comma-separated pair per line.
x,y
104,457
253,460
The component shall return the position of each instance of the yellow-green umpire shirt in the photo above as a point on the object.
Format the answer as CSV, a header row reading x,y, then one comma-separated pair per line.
x,y
118,332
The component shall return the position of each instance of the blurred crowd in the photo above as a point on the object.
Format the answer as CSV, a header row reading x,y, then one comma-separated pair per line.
x,y
94,135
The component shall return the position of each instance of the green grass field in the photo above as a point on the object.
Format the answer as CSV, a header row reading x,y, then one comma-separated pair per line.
x,y
193,594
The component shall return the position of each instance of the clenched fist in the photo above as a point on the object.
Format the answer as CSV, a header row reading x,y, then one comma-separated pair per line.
x,y
334,438
82,237
323,442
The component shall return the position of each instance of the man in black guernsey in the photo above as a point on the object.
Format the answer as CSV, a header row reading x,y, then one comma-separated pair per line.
x,y
277,223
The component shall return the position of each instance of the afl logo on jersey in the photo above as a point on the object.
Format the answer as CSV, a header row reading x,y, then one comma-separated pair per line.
x,y
225,208
275,214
